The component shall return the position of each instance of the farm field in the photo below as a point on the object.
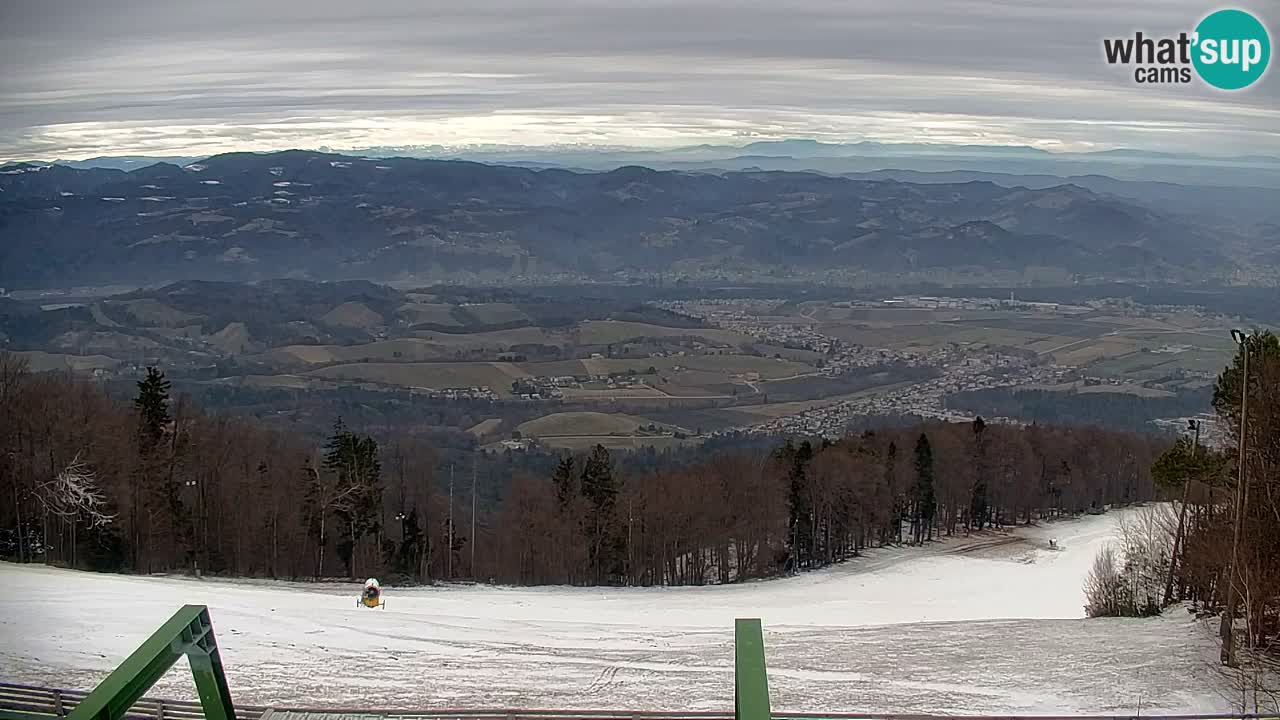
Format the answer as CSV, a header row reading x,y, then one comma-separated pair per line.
x,y
42,361
493,313
584,443
717,364
353,315
583,423
696,369
436,376
428,314
1137,348
434,345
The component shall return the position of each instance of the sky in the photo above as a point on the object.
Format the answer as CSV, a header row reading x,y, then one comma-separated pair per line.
x,y
84,78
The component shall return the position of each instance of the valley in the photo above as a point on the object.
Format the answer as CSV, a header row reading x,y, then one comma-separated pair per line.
x,y
514,367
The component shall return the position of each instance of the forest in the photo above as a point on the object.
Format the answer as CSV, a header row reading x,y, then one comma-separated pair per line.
x,y
159,485
1117,410
1218,545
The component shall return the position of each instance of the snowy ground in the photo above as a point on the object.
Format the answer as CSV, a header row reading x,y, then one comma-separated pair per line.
x,y
987,624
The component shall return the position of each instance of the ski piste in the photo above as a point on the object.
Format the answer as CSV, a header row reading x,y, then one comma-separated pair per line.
x,y
958,626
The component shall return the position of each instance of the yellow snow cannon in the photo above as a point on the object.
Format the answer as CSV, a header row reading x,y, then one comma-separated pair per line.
x,y
372,595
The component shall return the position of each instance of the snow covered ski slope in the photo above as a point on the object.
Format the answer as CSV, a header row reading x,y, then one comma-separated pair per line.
x,y
980,625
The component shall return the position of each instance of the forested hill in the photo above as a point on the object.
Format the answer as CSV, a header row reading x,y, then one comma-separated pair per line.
x,y
1118,410
158,485
245,216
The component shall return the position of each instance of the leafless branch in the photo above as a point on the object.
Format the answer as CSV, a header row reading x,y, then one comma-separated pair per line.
x,y
74,493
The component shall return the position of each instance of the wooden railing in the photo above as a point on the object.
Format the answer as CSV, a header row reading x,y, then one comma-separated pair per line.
x,y
59,703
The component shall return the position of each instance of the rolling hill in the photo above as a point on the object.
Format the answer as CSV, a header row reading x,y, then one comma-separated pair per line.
x,y
244,216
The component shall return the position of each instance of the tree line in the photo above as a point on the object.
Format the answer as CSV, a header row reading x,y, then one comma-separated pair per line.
x,y
1117,410
158,485
1219,546
743,515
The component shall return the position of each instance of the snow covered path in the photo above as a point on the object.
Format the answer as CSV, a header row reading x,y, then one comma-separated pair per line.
x,y
983,625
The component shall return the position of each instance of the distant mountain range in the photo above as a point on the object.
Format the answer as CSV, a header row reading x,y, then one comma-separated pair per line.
x,y
244,216
835,158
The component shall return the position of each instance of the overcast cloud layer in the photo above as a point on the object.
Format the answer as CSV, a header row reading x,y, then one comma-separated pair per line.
x,y
94,77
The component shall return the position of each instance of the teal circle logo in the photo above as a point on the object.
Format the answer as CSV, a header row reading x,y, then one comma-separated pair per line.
x,y
1232,49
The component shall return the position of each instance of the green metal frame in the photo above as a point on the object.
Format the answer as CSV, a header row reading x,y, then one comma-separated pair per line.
x,y
750,676
189,632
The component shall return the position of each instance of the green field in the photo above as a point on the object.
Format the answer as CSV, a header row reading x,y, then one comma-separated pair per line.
x,y
1153,366
1209,341
554,368
932,335
899,337
424,375
353,315
584,443
426,345
434,345
494,313
606,332
428,314
583,423
38,361
1043,326
719,365
485,427
150,312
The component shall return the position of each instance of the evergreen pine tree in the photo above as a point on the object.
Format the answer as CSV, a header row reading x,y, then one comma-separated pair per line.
x,y
978,503
926,502
899,509
565,480
152,403
795,459
155,504
600,489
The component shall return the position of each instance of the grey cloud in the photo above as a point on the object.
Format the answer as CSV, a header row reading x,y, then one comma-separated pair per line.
x,y
91,77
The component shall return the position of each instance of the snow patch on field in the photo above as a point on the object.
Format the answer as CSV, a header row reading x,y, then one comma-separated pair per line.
x,y
988,624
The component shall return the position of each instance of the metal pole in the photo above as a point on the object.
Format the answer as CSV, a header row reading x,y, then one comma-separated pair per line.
x,y
1182,518
474,461
750,674
1228,615
449,558
17,506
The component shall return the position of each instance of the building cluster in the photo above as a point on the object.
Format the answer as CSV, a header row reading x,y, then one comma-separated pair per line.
x,y
456,393
963,367
930,302
552,387
924,398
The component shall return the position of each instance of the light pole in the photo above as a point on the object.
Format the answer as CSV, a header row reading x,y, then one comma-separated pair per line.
x,y
474,462
1242,498
449,558
1193,425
